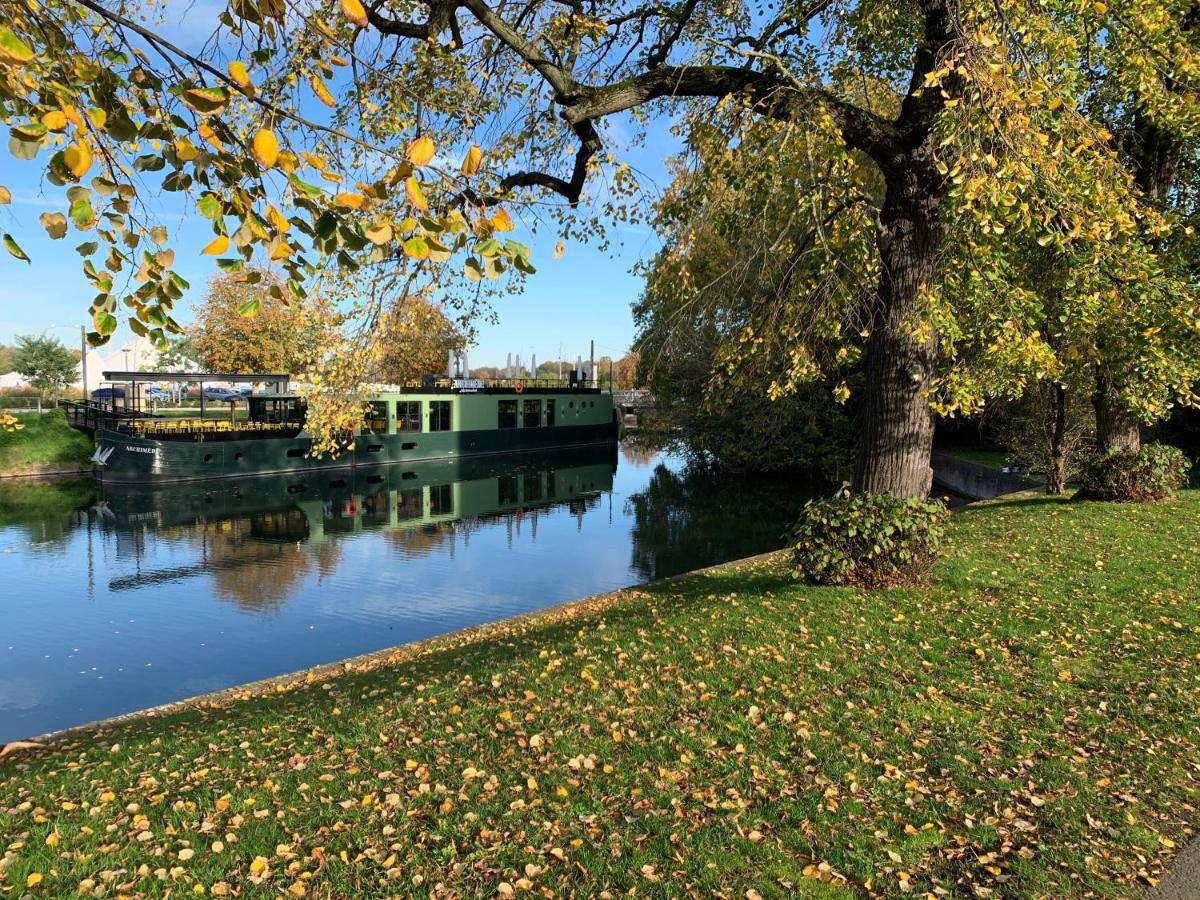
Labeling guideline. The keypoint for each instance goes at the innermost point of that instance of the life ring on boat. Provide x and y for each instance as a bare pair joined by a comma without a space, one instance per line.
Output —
519,387
351,507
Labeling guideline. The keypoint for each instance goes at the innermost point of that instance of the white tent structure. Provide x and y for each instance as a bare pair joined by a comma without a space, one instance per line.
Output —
134,355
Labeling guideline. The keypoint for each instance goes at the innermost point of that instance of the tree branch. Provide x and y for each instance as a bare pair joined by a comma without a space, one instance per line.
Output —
769,94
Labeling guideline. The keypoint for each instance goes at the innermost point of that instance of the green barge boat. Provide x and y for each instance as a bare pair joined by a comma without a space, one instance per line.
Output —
440,418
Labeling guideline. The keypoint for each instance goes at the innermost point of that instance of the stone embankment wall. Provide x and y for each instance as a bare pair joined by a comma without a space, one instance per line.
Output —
974,480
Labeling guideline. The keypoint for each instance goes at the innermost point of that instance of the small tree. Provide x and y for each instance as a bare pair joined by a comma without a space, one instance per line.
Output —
1048,427
46,363
415,338
180,356
243,327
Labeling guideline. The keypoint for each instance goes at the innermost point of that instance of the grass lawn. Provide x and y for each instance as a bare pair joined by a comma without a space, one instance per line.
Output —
1027,726
45,440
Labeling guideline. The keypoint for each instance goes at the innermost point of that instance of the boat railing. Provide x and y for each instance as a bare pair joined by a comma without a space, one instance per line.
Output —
207,426
92,415
442,384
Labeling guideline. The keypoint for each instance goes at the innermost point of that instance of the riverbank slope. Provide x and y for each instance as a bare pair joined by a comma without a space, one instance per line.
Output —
47,445
1028,724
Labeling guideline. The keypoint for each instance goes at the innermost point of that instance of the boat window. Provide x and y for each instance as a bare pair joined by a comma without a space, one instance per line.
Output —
279,410
441,497
506,414
377,417
531,414
410,504
439,415
532,487
549,413
507,485
408,415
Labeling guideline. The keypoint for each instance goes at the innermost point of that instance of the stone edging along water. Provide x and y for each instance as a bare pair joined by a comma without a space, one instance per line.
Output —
49,471
367,662
976,480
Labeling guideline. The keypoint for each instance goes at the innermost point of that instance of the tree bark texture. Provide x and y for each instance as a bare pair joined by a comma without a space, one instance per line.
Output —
896,428
1116,427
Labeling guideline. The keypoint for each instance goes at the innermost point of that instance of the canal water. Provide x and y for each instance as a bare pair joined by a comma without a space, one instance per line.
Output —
113,600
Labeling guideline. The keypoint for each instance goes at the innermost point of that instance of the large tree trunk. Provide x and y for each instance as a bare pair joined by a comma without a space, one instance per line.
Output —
896,427
1116,427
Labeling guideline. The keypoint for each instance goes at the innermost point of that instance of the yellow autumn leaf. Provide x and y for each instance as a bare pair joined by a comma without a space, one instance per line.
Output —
277,219
237,71
265,148
321,91
78,159
258,866
501,221
378,233
186,150
287,162
216,247
472,161
279,251
55,120
210,137
349,201
354,11
421,151
558,250
412,189
33,878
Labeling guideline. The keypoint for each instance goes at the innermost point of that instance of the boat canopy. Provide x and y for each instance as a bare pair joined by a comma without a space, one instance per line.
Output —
279,380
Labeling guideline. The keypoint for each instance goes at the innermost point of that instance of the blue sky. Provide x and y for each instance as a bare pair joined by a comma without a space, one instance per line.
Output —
584,295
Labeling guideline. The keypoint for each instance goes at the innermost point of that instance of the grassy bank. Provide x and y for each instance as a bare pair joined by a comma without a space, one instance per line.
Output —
46,440
1028,725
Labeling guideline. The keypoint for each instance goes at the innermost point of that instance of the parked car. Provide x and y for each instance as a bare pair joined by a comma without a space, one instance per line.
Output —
157,394
108,393
221,394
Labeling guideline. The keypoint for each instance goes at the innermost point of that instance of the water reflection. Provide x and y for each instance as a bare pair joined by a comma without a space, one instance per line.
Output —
123,598
258,538
699,513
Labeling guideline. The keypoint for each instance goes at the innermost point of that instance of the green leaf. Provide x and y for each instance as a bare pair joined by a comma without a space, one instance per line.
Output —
30,131
13,51
82,213
206,100
105,322
14,248
250,307
209,206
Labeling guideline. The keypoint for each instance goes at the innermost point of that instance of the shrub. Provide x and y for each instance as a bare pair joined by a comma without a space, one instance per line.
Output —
867,540
1155,472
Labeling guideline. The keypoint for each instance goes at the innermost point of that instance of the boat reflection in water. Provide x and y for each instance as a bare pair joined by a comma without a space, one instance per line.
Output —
258,537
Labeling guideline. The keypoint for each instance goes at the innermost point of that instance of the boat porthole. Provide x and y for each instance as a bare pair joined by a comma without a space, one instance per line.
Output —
208,457
237,456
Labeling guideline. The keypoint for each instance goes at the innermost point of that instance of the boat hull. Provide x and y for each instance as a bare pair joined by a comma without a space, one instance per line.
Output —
131,459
